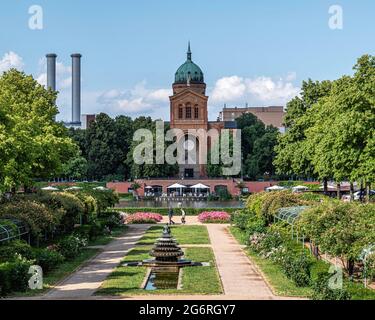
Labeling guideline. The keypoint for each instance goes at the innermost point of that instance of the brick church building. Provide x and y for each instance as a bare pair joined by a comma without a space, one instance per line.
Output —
188,110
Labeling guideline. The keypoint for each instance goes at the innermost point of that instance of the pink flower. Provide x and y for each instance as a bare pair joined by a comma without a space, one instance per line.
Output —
144,217
214,217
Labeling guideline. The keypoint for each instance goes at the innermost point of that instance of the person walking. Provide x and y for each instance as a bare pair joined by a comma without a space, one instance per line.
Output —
183,214
170,216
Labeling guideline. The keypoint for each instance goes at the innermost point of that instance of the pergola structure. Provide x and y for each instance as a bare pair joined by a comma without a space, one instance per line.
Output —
290,216
11,229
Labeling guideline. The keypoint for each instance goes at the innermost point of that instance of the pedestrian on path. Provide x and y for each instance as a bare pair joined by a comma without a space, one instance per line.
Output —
183,214
170,216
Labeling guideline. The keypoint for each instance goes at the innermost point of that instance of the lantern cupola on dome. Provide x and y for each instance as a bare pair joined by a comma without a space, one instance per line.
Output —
189,72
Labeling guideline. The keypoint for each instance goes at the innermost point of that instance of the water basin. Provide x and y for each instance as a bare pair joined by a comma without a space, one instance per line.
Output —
162,279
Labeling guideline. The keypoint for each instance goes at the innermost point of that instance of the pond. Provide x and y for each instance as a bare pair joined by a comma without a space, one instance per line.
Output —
186,204
162,279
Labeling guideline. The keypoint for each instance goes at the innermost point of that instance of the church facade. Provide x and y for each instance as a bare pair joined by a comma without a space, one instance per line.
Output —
189,110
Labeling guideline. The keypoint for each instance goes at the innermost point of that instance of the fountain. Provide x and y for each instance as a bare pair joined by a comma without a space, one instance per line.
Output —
166,252
165,266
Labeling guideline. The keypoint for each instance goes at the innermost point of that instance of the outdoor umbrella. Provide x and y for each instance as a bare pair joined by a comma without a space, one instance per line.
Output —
74,188
275,188
298,188
50,188
177,186
101,189
200,186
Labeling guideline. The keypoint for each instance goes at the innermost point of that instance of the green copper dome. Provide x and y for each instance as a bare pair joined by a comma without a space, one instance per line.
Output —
189,71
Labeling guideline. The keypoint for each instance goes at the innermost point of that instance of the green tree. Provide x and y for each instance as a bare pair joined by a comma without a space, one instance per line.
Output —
215,170
148,170
260,162
342,230
258,143
32,144
76,168
342,131
293,157
105,146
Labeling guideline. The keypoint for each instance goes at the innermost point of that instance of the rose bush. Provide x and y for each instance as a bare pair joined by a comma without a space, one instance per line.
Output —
214,217
143,218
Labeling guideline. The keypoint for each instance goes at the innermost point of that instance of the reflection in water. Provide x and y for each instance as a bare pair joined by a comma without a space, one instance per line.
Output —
162,279
185,204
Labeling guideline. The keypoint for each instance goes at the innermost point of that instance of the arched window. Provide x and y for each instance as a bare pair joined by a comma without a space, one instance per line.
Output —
180,112
196,112
188,111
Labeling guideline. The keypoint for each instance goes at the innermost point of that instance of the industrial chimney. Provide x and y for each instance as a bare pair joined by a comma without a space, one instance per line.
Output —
51,71
76,89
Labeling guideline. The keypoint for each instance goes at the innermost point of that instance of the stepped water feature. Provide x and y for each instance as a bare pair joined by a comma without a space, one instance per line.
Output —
166,252
164,268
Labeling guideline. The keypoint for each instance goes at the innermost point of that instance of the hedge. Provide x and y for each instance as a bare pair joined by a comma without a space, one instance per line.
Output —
177,211
14,276
37,216
267,204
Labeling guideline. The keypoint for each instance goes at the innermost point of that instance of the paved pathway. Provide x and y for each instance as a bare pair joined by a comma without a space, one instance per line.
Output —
83,283
238,274
190,220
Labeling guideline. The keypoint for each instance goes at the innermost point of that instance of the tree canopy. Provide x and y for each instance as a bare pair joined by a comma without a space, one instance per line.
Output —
32,144
108,147
331,128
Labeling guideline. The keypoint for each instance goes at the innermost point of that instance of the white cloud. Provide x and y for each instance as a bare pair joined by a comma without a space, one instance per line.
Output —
269,91
134,106
161,95
229,89
260,90
136,101
11,60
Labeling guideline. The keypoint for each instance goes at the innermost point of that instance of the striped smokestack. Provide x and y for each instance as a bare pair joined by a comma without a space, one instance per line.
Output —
76,88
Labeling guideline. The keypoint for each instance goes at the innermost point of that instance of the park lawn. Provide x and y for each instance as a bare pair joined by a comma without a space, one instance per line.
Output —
104,240
61,272
183,234
68,267
283,286
128,280
273,273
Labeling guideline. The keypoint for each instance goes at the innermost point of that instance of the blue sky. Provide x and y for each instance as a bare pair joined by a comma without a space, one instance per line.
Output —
250,51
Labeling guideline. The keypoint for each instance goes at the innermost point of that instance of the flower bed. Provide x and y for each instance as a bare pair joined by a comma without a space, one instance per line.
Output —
214,217
144,217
